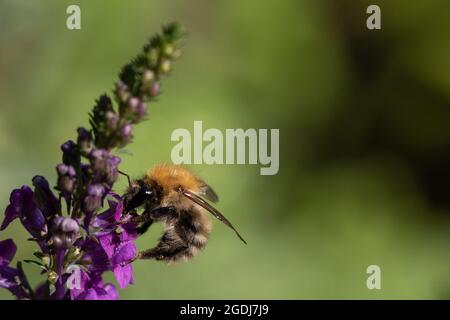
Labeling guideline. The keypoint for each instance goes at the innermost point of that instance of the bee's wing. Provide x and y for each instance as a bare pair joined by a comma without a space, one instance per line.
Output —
209,193
205,205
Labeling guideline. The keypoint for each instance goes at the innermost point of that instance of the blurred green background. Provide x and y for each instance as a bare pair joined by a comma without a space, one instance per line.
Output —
364,119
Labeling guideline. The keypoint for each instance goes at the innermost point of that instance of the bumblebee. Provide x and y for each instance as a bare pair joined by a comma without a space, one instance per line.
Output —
174,196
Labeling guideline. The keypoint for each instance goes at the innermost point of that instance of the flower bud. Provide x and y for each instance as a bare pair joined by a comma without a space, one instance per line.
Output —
132,103
98,158
112,164
152,57
66,178
69,225
165,66
44,197
94,198
169,49
70,153
154,89
104,164
125,134
112,121
122,91
141,111
64,231
134,110
148,76
84,140
52,277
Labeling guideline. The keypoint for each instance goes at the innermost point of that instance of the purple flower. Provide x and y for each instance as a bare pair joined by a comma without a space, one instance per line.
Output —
22,206
85,177
112,169
125,134
148,76
122,91
42,292
92,287
94,198
66,178
141,110
119,247
104,165
134,109
94,258
7,251
110,219
10,277
84,140
64,231
132,104
44,197
154,89
107,221
111,121
121,251
70,153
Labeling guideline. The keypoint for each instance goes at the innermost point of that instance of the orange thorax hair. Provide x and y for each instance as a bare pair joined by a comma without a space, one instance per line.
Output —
170,177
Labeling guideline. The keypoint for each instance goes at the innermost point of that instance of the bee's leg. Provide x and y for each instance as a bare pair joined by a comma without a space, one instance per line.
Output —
176,242
144,227
151,215
169,248
145,220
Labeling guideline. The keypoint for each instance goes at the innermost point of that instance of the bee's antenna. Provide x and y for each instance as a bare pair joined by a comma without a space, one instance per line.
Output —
126,175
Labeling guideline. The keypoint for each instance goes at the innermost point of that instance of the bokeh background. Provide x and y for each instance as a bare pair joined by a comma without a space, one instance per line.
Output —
364,119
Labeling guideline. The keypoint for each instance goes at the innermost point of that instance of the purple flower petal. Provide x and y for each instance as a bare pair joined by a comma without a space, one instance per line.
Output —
42,291
7,251
111,292
89,294
93,288
124,275
129,232
22,205
124,253
15,207
44,197
109,217
107,242
10,215
8,280
94,253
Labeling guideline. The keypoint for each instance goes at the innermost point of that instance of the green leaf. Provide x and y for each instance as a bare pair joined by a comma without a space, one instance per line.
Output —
35,263
38,255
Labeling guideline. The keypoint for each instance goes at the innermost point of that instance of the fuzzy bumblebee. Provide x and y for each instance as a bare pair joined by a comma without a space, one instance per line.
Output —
174,196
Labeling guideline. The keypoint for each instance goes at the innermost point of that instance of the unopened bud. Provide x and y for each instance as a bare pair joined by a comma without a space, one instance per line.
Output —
154,89
122,91
168,49
148,75
165,66
52,277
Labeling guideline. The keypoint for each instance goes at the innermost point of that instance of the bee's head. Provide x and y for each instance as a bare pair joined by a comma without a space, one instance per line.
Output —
142,192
